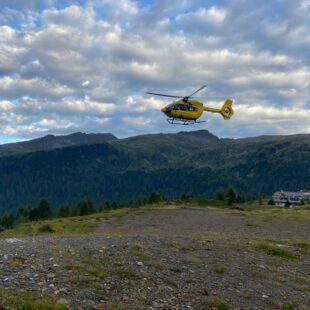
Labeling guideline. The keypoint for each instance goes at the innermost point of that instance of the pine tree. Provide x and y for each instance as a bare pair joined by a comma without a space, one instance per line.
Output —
7,221
154,197
64,211
220,195
107,206
34,215
114,205
185,197
44,210
84,207
22,214
230,196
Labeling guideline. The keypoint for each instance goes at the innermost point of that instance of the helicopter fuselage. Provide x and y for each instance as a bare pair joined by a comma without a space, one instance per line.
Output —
187,110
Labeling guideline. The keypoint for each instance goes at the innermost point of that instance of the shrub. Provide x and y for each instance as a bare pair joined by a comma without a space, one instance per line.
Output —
46,228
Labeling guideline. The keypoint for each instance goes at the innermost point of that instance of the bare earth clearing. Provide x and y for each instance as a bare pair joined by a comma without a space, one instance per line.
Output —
191,258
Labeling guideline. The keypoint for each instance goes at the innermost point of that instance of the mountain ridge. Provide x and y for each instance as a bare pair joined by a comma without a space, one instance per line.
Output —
49,142
196,163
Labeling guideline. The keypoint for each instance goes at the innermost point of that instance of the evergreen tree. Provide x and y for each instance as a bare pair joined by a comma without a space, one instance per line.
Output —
64,211
154,197
22,214
239,199
7,221
230,196
34,215
101,207
44,210
220,195
138,203
114,205
107,206
84,207
185,197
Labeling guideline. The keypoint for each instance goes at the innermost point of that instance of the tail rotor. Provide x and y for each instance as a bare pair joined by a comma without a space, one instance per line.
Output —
227,111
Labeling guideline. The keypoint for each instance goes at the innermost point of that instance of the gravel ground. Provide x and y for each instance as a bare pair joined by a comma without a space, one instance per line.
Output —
165,259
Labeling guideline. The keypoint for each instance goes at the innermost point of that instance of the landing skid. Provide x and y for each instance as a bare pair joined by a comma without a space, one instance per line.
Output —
181,121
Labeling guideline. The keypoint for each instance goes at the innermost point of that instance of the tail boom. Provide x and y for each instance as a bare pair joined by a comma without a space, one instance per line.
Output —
226,110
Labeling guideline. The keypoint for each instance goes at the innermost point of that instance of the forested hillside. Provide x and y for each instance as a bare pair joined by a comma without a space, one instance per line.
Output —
196,163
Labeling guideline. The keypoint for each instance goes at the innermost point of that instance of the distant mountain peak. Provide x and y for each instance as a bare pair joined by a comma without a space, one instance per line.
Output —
50,142
203,133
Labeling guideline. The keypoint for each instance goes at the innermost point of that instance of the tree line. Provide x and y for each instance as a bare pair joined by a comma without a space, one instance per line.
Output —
44,211
86,206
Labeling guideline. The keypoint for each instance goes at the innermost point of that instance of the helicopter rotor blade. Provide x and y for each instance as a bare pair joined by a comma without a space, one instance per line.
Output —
162,95
201,88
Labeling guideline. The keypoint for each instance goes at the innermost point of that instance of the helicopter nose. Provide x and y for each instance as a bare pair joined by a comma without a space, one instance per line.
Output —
164,110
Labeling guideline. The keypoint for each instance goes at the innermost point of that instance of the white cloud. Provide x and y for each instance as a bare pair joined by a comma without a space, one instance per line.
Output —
87,66
213,16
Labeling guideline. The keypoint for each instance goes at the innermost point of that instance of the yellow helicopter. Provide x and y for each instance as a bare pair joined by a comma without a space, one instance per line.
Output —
187,111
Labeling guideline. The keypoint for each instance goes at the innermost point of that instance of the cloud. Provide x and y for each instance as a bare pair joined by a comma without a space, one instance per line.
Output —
14,88
213,16
86,65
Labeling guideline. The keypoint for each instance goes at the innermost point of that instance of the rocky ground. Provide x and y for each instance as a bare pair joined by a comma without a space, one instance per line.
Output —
164,259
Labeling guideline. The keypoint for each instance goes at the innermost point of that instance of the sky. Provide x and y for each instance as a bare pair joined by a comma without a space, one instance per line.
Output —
68,66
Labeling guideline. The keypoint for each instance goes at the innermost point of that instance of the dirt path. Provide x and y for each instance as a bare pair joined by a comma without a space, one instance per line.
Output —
167,259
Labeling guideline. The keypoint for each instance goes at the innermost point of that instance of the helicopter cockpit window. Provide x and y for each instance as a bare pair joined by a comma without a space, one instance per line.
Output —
192,108
169,107
184,107
180,107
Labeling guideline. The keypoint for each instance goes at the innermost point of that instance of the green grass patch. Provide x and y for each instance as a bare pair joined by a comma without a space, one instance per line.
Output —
256,273
214,302
218,268
252,225
13,300
283,306
299,213
46,228
123,273
100,294
302,244
176,269
99,273
142,256
193,260
275,250
158,265
81,225
138,246
87,270
210,203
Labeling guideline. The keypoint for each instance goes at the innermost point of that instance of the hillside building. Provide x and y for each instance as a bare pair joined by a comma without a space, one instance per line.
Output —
282,198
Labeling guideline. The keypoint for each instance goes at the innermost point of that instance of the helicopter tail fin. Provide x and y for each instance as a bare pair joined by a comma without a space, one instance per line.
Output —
227,111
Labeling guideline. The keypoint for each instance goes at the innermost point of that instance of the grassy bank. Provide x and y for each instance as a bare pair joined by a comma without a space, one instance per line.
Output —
83,225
